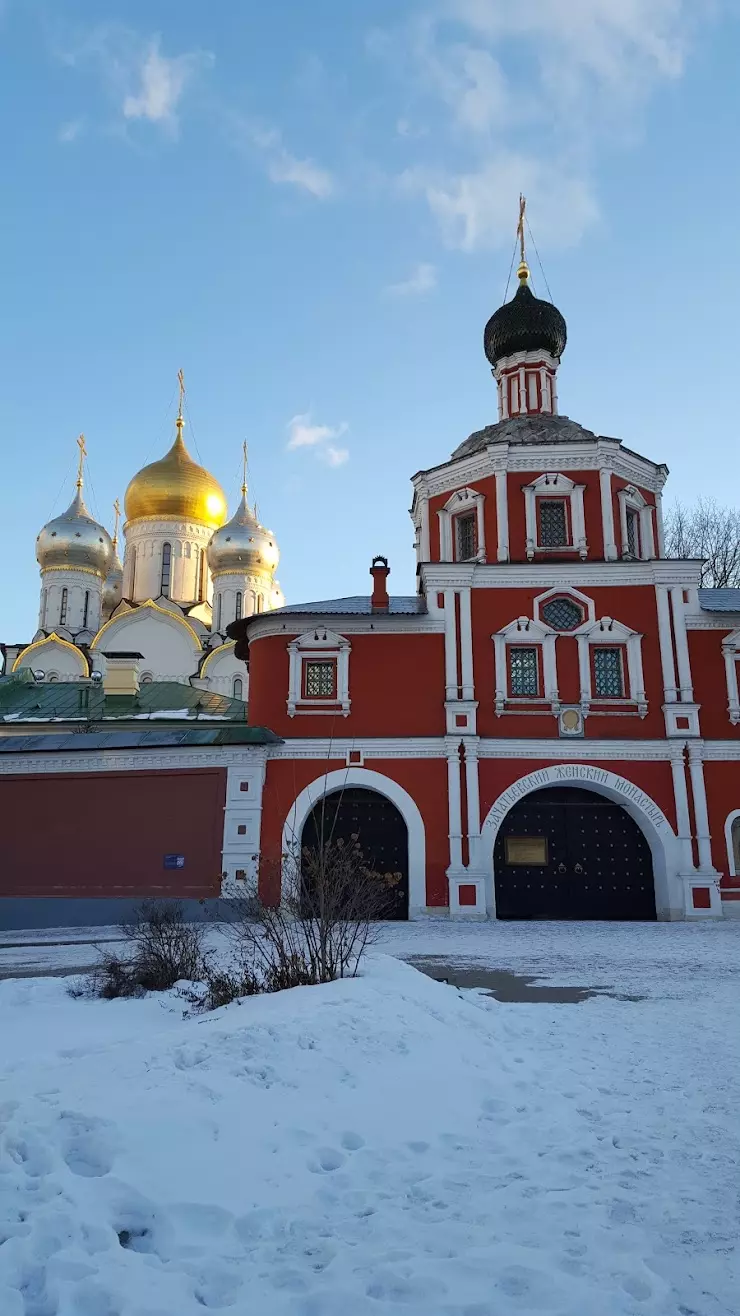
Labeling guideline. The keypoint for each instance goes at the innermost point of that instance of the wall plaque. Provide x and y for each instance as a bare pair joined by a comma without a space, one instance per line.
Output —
526,849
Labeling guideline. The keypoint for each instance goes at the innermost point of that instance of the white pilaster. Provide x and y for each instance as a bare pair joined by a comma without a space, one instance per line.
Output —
659,526
473,793
451,682
729,652
666,644
607,514
681,796
454,801
699,792
502,516
466,645
682,646
425,538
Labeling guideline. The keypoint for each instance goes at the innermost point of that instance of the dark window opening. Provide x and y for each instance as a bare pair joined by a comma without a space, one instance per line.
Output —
238,604
166,569
86,609
553,523
320,679
608,673
466,538
238,687
562,614
523,672
633,533
63,609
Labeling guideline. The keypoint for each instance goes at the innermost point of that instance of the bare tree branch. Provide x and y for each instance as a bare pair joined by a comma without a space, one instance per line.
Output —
710,532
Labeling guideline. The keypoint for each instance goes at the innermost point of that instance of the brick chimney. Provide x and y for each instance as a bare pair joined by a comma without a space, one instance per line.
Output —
380,572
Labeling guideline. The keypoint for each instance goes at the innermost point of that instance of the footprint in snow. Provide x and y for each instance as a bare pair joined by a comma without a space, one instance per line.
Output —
352,1141
325,1160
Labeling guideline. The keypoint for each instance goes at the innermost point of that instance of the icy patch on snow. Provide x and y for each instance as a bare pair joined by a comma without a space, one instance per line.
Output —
376,1147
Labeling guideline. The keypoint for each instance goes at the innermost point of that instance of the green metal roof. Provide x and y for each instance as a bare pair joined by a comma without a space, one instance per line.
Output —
24,700
184,737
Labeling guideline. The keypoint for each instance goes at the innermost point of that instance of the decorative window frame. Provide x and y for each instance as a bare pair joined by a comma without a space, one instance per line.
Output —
318,643
614,634
630,499
555,484
524,632
462,500
731,655
565,592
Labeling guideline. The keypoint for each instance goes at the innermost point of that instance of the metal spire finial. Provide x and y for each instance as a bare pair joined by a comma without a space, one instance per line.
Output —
244,467
117,512
180,419
81,462
523,271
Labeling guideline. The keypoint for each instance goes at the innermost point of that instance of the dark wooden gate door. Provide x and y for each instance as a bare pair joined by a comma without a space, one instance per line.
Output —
568,853
381,835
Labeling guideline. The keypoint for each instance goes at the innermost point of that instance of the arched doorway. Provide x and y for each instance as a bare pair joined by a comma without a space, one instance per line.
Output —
568,853
381,834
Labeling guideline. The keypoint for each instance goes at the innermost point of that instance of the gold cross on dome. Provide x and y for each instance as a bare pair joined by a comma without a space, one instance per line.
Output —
523,271
244,467
117,510
81,462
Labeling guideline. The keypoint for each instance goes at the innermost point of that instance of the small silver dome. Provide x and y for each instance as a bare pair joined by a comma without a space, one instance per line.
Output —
74,540
243,544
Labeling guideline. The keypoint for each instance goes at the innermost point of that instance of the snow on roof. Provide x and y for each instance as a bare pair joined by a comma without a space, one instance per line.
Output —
357,605
719,600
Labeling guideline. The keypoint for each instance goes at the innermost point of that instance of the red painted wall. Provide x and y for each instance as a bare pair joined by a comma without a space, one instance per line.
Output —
106,833
634,605
710,684
396,687
723,797
425,780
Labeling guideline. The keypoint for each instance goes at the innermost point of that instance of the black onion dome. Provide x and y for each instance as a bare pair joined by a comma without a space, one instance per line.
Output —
525,324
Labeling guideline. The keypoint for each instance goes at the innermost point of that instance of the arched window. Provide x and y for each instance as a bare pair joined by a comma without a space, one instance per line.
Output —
238,687
218,613
201,574
52,676
86,609
146,679
132,582
164,585
63,608
259,602
238,604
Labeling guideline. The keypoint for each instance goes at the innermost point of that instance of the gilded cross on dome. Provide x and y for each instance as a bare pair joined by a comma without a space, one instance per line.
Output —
81,461
523,271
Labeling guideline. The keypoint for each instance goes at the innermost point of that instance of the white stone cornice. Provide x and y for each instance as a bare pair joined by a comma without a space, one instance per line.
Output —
143,760
541,576
576,750
411,747
355,624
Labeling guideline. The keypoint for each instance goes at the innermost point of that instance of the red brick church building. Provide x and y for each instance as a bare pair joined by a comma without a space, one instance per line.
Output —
548,728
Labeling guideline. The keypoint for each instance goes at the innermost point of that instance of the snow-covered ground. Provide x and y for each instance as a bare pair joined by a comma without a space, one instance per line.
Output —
384,1146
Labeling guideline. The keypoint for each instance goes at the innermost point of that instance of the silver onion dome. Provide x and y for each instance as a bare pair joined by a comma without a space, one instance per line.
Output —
243,544
74,540
113,587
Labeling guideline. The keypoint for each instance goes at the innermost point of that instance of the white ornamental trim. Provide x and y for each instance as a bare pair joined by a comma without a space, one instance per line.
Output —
111,760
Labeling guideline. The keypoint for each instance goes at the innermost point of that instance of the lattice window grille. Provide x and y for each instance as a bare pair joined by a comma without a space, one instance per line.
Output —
553,525
523,673
320,680
466,536
562,614
608,673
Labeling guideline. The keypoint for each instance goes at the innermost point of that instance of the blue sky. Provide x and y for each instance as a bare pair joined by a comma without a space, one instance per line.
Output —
311,209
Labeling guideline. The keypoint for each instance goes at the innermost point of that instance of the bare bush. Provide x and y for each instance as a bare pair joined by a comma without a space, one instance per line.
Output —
163,950
710,532
331,902
220,985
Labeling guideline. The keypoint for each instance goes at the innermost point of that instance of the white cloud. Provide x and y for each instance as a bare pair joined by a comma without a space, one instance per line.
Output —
284,167
531,94
69,132
303,433
422,279
162,82
141,82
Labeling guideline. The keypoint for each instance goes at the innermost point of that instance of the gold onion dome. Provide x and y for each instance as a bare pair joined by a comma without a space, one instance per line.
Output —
74,540
176,488
243,544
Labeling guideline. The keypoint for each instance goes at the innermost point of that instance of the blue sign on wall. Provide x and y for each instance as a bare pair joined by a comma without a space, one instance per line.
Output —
174,861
